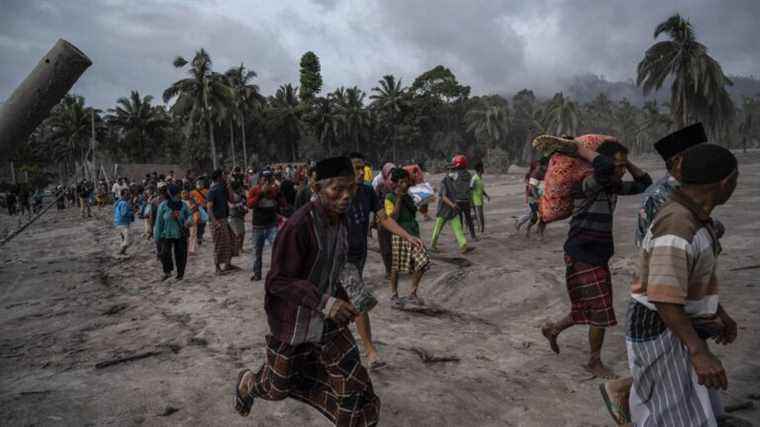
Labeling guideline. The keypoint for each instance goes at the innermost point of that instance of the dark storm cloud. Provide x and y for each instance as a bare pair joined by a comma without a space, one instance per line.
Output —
132,45
493,45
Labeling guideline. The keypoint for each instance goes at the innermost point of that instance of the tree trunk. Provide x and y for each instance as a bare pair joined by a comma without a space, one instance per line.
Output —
212,144
42,89
232,145
242,134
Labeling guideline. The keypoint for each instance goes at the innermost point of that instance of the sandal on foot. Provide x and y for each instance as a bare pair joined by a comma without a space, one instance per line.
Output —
377,364
618,411
415,300
243,404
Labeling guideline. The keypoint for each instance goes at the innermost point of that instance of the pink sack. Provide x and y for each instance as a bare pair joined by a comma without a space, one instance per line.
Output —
562,174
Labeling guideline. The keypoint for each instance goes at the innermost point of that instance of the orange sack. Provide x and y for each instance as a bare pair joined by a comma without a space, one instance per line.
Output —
415,173
562,174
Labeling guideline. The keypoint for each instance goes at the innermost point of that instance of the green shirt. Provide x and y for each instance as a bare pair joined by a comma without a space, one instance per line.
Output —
407,213
478,188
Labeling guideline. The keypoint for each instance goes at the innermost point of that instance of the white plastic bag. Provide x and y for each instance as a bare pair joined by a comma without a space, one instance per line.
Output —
422,194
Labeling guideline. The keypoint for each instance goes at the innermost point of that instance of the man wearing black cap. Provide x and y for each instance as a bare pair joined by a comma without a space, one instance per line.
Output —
670,149
675,306
311,353
616,392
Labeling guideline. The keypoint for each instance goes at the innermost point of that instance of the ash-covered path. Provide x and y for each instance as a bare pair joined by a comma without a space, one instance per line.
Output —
91,338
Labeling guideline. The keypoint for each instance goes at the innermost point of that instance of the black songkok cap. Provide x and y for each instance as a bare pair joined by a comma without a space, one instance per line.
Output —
707,164
680,140
334,167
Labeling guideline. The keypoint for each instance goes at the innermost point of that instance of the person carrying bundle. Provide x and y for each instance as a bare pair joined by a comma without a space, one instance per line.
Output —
590,245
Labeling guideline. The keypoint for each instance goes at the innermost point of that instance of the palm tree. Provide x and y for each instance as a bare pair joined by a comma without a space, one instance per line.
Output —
70,129
388,99
201,98
353,116
698,88
140,124
286,121
562,115
489,121
325,121
246,97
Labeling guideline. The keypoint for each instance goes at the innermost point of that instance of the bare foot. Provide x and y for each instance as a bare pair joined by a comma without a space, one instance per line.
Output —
600,371
551,334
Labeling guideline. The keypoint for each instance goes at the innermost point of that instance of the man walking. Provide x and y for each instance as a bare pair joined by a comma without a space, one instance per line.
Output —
311,353
589,245
265,201
449,208
218,211
363,205
675,305
123,216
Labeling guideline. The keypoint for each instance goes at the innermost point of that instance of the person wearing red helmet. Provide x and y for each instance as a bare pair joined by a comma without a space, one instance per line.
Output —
448,207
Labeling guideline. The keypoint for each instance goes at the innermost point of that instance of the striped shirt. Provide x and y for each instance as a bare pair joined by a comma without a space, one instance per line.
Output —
679,259
590,237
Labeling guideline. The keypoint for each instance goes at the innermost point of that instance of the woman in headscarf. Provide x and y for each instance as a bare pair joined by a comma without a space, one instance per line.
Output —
384,185
172,220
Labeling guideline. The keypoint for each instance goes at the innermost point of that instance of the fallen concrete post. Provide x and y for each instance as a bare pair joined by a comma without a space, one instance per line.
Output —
42,89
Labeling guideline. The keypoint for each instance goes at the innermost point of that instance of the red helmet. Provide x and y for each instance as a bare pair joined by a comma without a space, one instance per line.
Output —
459,161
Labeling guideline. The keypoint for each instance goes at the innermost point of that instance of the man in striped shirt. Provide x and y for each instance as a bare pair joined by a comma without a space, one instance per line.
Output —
675,307
590,245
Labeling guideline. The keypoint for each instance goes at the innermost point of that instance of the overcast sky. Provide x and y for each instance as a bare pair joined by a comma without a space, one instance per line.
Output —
492,45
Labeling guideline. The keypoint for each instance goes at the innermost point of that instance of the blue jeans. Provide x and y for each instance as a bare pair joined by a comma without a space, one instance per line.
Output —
259,239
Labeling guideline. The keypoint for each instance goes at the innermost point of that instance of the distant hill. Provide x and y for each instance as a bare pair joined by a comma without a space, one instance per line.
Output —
584,88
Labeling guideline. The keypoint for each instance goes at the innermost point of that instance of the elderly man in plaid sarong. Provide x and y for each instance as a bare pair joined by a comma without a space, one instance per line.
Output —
311,354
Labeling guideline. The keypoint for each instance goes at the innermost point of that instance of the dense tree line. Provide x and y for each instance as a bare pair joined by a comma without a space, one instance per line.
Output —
210,118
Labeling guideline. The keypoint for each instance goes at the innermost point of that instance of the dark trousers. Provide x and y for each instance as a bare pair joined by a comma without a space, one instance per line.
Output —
259,237
179,248
466,209
384,241
201,230
481,218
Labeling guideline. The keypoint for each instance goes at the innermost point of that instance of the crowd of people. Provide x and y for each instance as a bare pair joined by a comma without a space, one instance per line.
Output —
318,219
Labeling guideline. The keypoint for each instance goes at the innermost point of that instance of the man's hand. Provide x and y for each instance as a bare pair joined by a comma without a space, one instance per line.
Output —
342,312
488,197
175,214
709,370
416,242
729,332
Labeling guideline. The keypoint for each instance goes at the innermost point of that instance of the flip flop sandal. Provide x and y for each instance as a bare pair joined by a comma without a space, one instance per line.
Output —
377,364
242,404
415,301
618,412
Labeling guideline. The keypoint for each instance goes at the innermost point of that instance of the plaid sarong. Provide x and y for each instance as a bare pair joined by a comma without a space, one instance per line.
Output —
590,290
406,258
327,376
222,242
